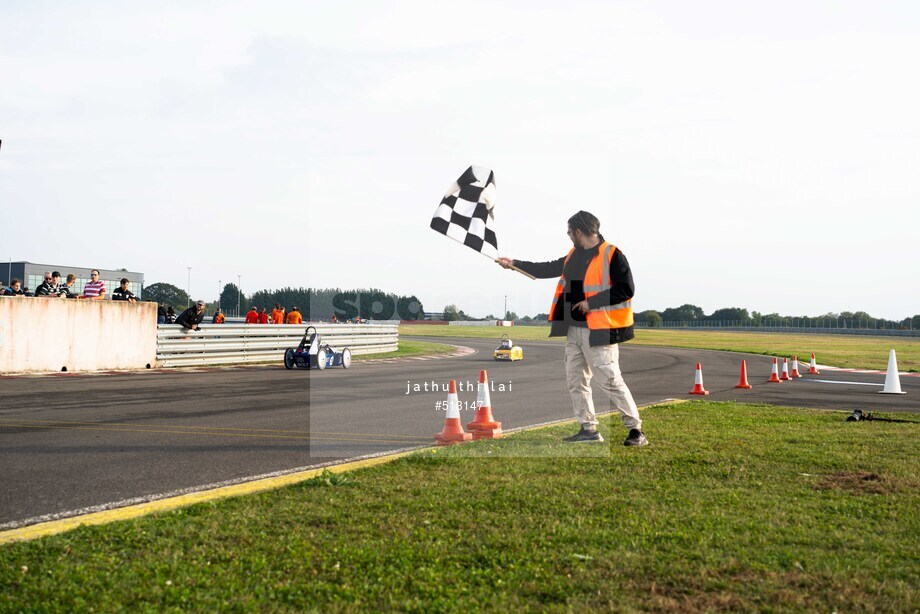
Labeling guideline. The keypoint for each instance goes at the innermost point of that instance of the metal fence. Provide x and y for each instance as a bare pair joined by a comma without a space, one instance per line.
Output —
243,343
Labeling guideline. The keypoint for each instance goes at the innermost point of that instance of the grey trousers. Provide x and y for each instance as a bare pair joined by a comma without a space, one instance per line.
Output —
581,362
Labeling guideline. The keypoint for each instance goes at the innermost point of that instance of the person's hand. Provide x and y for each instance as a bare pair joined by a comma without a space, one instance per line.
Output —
505,263
581,307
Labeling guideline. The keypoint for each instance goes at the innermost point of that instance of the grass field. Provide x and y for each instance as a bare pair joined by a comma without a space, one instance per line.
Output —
848,351
742,507
412,347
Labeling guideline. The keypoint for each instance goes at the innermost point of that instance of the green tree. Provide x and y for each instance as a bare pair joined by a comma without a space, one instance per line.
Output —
732,314
653,318
229,296
510,315
684,313
542,317
166,294
451,313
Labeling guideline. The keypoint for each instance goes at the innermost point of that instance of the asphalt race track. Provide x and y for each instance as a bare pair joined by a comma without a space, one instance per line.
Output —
68,443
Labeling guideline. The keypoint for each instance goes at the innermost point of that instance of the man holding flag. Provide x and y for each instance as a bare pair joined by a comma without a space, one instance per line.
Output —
592,308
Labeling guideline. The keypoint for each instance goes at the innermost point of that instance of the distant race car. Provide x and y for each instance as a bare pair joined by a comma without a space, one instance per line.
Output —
506,350
309,354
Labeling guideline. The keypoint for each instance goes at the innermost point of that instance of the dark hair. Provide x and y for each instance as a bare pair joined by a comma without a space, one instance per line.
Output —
585,222
71,277
124,280
14,281
55,274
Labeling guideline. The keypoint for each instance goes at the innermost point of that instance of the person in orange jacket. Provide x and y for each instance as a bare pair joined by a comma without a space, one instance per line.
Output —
263,316
278,314
253,316
294,317
218,317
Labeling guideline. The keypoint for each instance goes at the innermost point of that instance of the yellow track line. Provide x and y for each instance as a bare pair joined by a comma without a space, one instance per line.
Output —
164,505
55,527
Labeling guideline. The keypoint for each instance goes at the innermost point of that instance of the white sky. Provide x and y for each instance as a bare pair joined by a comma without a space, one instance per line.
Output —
759,155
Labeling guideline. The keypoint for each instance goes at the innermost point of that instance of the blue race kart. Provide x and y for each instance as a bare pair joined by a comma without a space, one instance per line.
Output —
311,354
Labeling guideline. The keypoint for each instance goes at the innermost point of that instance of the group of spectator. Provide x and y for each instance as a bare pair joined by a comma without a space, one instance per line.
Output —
194,315
258,315
52,287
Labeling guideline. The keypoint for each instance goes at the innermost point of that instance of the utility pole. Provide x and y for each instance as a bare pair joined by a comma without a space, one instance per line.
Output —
218,295
505,317
188,288
239,293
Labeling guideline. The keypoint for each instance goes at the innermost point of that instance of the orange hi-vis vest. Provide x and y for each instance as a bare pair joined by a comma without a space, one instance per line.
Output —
597,279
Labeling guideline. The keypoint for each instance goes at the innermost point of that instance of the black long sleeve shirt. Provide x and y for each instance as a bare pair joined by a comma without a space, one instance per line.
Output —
190,317
622,289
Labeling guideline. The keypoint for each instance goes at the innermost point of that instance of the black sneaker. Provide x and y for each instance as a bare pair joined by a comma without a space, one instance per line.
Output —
635,438
584,435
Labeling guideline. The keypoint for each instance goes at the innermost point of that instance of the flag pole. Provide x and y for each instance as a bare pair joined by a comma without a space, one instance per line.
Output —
521,271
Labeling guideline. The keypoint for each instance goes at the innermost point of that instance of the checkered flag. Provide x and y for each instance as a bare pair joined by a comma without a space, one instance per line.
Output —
465,211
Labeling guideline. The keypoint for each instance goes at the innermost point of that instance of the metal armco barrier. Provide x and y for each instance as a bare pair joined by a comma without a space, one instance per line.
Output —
241,343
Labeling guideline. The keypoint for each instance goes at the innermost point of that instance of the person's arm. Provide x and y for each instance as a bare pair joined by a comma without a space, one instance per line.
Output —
540,270
183,319
622,287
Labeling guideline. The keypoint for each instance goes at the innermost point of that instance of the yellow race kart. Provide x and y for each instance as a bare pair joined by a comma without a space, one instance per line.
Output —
506,350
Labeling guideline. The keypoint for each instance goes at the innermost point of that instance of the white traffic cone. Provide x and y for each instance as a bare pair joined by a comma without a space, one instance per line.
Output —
892,379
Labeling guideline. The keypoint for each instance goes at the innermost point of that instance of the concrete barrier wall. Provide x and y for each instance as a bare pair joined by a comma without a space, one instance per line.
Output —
48,334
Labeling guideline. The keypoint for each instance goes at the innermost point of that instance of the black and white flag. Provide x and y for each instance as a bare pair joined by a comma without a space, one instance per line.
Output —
465,212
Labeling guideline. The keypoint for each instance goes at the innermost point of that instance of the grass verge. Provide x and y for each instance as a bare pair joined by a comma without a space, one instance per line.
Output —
846,351
410,348
743,507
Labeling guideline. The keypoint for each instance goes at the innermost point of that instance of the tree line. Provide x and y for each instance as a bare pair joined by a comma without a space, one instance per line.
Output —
692,315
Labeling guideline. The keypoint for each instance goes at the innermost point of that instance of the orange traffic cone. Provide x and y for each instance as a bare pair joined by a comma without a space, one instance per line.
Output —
774,376
795,367
453,430
743,383
484,425
698,382
813,368
785,374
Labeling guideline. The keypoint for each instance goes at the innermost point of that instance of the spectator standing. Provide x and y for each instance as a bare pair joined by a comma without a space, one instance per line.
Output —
161,313
263,316
170,315
123,294
278,314
218,317
94,290
252,317
67,288
192,317
335,319
294,317
15,288
48,287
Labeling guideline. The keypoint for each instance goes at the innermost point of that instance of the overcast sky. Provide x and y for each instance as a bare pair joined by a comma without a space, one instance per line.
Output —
759,155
